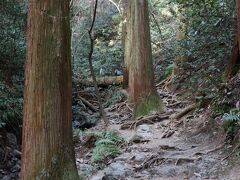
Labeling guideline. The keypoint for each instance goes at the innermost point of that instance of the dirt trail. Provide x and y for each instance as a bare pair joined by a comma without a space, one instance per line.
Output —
188,148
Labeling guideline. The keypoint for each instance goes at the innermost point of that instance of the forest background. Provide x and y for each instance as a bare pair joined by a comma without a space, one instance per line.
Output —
200,32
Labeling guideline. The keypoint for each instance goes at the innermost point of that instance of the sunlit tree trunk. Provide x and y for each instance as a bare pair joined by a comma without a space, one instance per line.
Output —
47,146
142,90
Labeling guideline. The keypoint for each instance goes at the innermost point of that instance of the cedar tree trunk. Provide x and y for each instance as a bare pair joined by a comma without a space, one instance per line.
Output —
238,21
124,36
47,129
234,63
142,90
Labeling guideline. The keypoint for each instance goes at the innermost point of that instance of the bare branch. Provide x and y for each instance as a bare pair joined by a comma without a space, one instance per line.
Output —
91,65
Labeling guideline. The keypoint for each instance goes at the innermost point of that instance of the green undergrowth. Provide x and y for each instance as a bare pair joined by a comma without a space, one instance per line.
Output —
231,125
106,144
231,120
116,96
11,106
168,70
147,105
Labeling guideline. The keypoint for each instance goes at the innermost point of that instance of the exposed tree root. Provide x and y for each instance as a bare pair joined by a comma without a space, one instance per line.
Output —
168,133
209,151
130,125
184,111
173,104
165,83
215,149
131,109
236,147
144,120
151,160
116,107
156,159
185,160
169,148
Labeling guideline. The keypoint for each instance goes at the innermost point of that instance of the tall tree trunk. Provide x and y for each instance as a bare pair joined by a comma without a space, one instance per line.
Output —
47,129
234,60
139,57
234,63
124,36
238,22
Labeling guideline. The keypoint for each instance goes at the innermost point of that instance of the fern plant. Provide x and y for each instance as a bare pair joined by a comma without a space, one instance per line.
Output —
233,115
231,120
107,146
168,70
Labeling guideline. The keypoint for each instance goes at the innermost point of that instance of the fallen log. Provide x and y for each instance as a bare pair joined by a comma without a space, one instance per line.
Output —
88,104
104,81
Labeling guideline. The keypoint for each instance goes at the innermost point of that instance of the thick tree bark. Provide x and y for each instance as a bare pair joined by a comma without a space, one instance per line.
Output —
47,144
238,22
234,60
142,90
234,63
124,36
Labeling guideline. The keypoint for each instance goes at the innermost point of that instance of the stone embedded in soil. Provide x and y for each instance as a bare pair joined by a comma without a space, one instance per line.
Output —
139,157
143,134
138,139
124,157
118,170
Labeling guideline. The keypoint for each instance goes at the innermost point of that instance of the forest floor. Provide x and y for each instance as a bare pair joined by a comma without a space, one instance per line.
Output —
162,146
